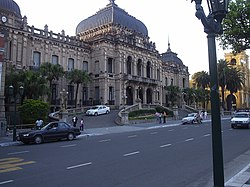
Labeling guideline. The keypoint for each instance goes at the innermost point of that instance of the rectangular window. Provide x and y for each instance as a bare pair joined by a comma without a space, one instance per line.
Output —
166,81
110,65
111,93
36,59
70,92
54,59
97,94
85,66
97,67
70,64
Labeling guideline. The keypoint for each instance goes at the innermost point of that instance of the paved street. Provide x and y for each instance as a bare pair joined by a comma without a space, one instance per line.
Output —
173,155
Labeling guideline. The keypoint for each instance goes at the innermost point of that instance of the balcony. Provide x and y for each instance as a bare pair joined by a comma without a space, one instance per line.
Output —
137,79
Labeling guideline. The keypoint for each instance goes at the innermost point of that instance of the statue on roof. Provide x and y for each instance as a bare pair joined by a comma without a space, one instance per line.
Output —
112,1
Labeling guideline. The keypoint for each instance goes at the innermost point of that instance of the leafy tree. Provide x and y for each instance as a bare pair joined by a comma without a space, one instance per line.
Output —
31,110
223,69
173,93
236,27
78,77
201,79
189,95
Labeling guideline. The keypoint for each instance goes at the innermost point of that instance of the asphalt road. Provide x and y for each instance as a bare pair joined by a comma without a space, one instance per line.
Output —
178,156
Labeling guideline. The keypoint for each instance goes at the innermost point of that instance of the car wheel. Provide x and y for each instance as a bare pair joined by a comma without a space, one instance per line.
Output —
192,121
70,136
107,112
232,126
96,114
38,139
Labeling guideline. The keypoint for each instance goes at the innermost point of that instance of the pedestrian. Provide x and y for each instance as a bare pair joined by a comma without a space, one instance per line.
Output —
157,114
39,123
74,120
205,115
82,125
164,117
160,117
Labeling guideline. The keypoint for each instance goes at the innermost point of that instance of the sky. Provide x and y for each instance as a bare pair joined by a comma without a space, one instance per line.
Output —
166,20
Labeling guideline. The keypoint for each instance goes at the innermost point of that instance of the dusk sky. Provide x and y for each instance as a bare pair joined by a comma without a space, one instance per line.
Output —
165,19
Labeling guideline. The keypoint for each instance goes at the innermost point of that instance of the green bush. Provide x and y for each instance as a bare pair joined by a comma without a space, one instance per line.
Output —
161,110
31,110
143,112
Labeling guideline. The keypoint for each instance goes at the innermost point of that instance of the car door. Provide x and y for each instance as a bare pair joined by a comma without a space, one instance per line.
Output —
63,130
51,132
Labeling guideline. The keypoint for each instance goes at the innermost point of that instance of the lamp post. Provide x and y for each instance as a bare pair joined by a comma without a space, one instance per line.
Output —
14,94
212,26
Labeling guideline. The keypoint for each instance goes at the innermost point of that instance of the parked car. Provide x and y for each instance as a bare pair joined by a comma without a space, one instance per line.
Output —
241,119
52,131
190,119
98,109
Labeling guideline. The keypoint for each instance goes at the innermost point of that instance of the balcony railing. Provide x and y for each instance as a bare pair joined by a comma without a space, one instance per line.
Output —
135,78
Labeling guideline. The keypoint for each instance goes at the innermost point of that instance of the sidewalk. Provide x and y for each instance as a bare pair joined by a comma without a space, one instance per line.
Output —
242,179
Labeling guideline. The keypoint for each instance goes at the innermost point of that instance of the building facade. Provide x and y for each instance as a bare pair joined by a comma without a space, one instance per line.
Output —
241,99
111,45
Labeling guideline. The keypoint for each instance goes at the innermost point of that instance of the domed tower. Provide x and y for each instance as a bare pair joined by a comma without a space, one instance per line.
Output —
10,13
110,19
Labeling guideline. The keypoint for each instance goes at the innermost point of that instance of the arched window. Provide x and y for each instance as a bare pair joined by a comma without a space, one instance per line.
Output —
148,69
36,59
139,67
70,64
129,65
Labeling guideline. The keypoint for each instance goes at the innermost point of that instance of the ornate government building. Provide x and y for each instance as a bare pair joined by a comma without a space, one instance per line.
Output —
111,45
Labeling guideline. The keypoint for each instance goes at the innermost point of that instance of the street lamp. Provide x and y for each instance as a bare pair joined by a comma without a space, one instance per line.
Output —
14,94
212,26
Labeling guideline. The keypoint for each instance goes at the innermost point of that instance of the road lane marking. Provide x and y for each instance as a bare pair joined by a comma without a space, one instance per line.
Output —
5,182
171,130
20,152
72,145
12,164
207,135
80,165
154,133
106,140
165,145
132,136
132,153
190,139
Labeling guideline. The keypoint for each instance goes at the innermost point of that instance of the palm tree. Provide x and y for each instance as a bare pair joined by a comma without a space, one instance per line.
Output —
78,77
201,79
173,93
222,74
234,82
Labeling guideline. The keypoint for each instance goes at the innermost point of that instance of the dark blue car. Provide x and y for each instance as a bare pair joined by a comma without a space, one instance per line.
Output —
52,131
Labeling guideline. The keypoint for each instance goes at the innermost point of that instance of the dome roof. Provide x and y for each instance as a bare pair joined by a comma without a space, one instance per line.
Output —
112,14
170,56
11,6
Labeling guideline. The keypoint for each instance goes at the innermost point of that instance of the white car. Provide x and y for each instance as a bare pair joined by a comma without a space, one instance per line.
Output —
97,110
241,119
190,119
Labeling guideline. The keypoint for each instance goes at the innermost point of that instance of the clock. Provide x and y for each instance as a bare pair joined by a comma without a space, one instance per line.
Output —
4,19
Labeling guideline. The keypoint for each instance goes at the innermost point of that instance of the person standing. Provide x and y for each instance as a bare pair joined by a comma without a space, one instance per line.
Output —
74,120
82,125
164,117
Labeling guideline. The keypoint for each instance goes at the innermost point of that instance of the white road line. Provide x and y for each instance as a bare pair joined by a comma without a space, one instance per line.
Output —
190,139
166,145
171,130
107,140
20,152
207,135
5,182
154,133
132,136
80,165
132,153
72,145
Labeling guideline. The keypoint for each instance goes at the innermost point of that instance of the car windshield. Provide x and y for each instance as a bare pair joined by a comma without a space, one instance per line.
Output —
45,127
241,115
190,115
95,107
